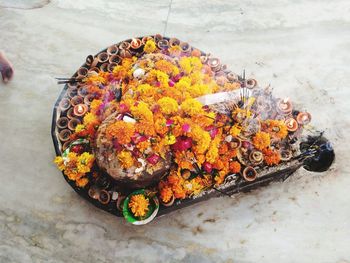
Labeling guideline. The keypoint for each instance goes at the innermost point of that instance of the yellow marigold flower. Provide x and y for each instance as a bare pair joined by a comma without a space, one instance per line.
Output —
59,162
170,139
142,112
150,46
168,105
79,128
235,130
261,140
175,50
139,205
120,130
183,84
192,107
145,89
85,162
125,159
90,119
201,137
213,151
82,182
94,106
167,67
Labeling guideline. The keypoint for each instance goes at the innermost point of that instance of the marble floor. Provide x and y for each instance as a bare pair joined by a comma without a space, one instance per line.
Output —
301,48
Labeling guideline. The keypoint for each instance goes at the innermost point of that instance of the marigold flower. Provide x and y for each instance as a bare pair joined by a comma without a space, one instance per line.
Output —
139,205
91,119
271,157
150,46
261,140
235,167
168,105
166,194
170,139
120,130
59,162
276,128
79,127
192,107
125,159
81,182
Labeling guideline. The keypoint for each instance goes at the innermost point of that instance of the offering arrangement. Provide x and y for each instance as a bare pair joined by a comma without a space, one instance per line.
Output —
152,124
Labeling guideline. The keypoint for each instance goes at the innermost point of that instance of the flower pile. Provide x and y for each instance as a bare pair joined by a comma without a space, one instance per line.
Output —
159,114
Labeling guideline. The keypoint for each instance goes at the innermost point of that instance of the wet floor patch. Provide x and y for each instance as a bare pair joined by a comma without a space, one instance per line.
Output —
23,4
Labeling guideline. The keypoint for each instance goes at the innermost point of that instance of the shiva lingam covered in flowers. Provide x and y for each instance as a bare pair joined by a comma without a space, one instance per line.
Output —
153,119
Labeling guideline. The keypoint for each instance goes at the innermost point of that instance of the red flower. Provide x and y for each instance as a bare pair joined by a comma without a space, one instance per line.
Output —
153,159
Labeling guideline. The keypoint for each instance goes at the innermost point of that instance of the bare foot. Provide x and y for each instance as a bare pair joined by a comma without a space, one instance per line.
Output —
5,68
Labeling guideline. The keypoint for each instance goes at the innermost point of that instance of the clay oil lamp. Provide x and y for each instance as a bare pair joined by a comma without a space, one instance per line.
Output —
204,59
112,50
185,173
76,100
284,106
235,143
89,60
111,66
125,53
124,46
115,59
64,104
82,92
145,39
196,53
94,70
292,124
120,202
102,57
232,76
70,113
286,155
62,122
136,44
73,123
256,157
249,174
163,44
66,145
104,197
251,83
169,203
214,63
304,118
104,67
71,92
174,42
80,109
88,99
64,135
82,73
158,37
185,48
94,192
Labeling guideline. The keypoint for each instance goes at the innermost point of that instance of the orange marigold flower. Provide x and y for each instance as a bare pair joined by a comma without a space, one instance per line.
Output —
139,205
120,130
271,157
179,191
235,167
261,140
166,194
275,128
82,182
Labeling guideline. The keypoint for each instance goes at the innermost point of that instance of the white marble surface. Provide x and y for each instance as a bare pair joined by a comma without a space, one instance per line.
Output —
301,47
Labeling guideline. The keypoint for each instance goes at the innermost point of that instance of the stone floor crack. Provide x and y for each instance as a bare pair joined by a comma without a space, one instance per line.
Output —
167,18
